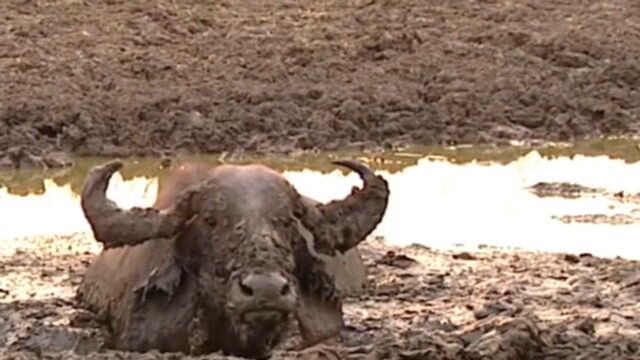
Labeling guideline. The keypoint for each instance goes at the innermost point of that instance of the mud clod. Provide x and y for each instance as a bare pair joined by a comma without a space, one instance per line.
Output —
572,259
391,258
463,256
518,338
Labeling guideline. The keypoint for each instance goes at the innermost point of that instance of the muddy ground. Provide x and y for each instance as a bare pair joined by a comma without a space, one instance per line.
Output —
119,77
420,304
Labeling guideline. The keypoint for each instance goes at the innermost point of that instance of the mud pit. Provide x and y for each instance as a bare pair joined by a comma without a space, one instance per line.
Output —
421,304
134,77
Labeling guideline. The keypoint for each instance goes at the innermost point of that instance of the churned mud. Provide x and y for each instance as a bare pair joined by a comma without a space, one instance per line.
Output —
420,304
121,77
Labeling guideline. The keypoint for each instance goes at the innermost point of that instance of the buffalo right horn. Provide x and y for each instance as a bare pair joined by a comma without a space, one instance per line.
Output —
115,227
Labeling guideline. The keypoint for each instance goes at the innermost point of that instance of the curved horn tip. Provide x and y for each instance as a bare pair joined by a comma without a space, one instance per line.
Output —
107,169
355,166
111,166
98,174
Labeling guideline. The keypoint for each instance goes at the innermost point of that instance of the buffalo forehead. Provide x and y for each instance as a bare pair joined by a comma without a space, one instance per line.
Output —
251,186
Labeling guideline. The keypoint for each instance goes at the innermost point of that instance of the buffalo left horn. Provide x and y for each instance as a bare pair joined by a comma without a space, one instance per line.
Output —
343,224
115,227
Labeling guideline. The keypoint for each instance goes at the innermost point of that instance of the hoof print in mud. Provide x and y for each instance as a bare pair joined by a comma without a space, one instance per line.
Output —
224,261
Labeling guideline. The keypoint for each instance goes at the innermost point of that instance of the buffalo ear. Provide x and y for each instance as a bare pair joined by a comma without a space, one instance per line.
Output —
319,312
319,316
188,244
318,319
198,229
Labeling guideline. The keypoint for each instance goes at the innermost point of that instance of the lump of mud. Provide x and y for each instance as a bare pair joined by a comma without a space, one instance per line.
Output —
21,157
508,339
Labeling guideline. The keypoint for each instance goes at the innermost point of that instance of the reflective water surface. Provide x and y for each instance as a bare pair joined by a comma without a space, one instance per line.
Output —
440,198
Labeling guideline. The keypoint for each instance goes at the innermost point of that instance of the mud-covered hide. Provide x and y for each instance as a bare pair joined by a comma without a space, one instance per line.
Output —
129,286
173,277
122,278
347,269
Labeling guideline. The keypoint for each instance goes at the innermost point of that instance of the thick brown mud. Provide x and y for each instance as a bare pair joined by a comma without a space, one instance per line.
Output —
419,304
141,78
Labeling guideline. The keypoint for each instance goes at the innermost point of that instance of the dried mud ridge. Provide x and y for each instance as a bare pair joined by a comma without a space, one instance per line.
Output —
137,78
420,304
626,216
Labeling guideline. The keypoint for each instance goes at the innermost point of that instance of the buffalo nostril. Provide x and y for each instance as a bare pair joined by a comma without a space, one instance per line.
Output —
286,289
246,290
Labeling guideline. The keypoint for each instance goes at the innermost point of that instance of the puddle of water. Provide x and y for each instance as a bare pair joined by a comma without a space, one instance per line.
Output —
436,202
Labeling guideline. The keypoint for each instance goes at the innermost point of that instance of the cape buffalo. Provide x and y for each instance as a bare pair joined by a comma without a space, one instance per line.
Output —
223,261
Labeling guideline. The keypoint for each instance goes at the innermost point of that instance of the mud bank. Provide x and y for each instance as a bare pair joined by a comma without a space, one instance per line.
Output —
123,78
420,304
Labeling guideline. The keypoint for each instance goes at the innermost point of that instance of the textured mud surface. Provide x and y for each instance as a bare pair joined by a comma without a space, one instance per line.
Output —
631,215
136,77
420,304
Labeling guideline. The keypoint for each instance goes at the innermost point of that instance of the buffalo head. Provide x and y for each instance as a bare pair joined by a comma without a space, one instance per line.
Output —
249,243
